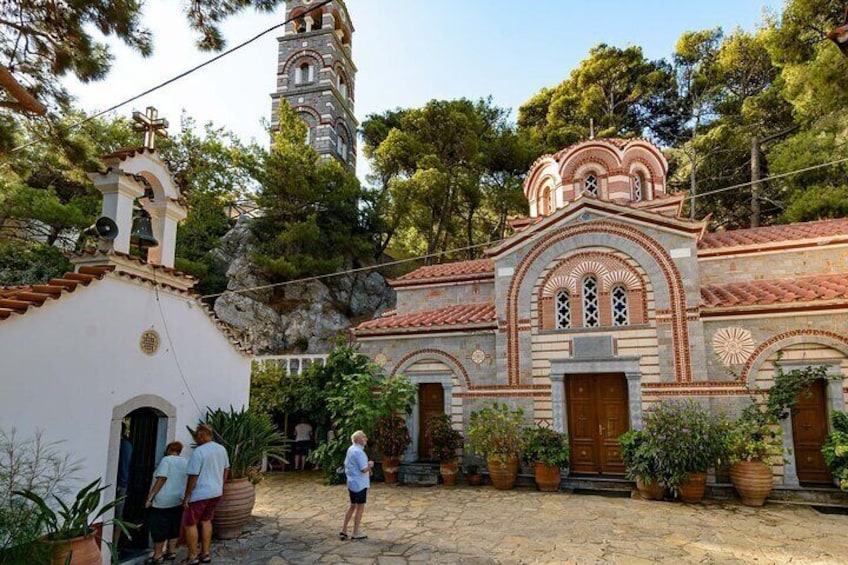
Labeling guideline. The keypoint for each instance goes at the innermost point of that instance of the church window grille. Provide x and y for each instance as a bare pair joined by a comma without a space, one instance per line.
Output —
591,318
563,310
637,188
619,306
590,185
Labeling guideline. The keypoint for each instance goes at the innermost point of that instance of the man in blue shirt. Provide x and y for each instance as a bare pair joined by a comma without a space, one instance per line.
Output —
358,472
207,470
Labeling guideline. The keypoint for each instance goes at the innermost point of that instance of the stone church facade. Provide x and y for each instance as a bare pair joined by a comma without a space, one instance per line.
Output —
606,300
316,76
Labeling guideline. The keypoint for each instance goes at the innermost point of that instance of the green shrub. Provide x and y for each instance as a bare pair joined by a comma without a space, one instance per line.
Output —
495,432
446,440
835,449
639,456
545,445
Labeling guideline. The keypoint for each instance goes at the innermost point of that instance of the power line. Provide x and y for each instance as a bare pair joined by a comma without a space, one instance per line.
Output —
492,243
172,79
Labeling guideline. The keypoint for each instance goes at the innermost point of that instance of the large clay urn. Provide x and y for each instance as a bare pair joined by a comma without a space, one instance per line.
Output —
391,467
235,508
752,480
692,491
82,550
547,477
503,473
449,470
653,490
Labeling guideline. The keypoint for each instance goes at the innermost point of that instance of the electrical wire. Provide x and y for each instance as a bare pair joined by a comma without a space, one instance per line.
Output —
172,79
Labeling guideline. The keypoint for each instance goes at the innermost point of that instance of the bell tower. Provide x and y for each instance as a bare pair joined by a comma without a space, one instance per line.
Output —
315,75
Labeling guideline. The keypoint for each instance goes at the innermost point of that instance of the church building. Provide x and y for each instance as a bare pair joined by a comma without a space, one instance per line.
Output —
606,300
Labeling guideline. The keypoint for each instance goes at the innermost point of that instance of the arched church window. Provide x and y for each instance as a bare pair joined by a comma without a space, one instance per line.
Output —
545,203
563,310
343,87
308,135
637,187
305,73
317,21
590,303
619,306
341,144
590,185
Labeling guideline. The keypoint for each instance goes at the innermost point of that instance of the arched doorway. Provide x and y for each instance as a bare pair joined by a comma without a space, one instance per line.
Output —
809,432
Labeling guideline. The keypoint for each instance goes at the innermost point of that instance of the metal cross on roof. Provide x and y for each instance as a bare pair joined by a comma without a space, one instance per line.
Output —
151,125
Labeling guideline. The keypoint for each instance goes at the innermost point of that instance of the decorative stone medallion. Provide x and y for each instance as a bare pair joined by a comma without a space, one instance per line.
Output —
478,356
381,359
733,345
149,342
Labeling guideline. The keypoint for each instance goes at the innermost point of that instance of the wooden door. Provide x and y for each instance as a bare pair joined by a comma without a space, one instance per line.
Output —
431,402
809,431
597,414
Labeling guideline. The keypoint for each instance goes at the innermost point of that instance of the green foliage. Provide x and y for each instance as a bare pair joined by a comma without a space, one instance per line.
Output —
248,436
545,445
755,436
495,432
23,263
835,449
391,435
446,440
268,387
685,438
783,394
639,456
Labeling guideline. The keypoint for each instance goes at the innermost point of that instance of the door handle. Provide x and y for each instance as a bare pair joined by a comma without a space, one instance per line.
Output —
601,431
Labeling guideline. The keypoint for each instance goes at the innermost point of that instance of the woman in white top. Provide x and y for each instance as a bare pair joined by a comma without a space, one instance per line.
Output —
302,443
165,503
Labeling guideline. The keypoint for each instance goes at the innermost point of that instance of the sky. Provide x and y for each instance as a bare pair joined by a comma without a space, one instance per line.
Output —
408,52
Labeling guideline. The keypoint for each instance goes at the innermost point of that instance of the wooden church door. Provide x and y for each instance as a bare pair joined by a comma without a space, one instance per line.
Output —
431,402
809,431
598,413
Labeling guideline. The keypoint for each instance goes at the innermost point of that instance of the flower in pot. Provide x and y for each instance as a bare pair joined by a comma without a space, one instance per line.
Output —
835,450
640,462
392,437
548,450
248,436
754,443
687,441
495,433
472,475
73,531
446,441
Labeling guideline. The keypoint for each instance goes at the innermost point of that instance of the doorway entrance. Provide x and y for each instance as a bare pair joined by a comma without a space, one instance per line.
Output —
809,432
147,434
598,412
431,402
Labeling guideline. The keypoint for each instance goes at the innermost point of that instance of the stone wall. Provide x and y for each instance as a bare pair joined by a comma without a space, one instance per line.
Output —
773,265
418,299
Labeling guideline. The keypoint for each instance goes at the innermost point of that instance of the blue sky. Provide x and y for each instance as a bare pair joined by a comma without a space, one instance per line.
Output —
408,52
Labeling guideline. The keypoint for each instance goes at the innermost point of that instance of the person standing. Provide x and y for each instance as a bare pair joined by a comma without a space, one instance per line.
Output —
207,470
125,453
302,443
358,470
164,503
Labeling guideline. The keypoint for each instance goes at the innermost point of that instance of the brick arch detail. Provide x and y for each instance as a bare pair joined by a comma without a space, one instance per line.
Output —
606,158
301,54
658,254
303,109
643,157
458,368
785,339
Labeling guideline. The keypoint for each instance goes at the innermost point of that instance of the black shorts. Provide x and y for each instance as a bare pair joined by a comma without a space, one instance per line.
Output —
358,497
164,523
302,447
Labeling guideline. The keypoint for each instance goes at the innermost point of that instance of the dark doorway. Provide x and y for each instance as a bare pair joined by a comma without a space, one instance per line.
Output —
431,402
598,413
147,449
809,431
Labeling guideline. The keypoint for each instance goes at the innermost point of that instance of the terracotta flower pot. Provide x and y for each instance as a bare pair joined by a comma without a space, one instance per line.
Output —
547,477
235,508
503,472
448,470
82,551
650,491
692,491
752,480
391,467
474,479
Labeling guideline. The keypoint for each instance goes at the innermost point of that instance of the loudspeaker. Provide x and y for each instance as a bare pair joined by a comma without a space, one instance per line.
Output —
104,228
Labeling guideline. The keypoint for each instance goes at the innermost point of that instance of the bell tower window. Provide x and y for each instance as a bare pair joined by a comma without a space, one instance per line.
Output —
590,185
304,73
341,144
343,87
563,310
591,318
300,25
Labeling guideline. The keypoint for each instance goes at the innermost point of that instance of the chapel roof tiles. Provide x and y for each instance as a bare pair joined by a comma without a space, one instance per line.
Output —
457,315
456,271
776,292
775,234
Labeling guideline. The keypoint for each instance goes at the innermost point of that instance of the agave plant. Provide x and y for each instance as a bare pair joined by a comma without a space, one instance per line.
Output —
248,437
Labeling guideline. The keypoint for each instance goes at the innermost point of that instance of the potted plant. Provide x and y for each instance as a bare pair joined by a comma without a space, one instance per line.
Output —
640,464
687,440
547,449
392,437
446,441
473,476
248,436
73,532
754,443
835,450
495,433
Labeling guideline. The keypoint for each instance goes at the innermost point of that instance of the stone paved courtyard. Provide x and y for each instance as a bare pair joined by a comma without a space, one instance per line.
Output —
297,519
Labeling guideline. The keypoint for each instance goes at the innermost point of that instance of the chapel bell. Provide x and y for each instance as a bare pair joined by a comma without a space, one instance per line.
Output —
142,230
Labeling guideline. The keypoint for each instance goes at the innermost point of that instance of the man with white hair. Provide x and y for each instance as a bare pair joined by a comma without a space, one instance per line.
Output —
358,472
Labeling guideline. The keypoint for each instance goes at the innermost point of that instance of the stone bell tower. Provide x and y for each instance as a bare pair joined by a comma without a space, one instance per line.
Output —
316,74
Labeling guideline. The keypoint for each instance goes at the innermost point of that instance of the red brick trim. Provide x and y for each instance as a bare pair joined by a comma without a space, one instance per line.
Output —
301,53
767,346
459,369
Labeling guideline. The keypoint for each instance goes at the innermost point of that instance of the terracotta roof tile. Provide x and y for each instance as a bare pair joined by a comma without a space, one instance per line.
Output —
775,234
456,271
776,292
460,314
